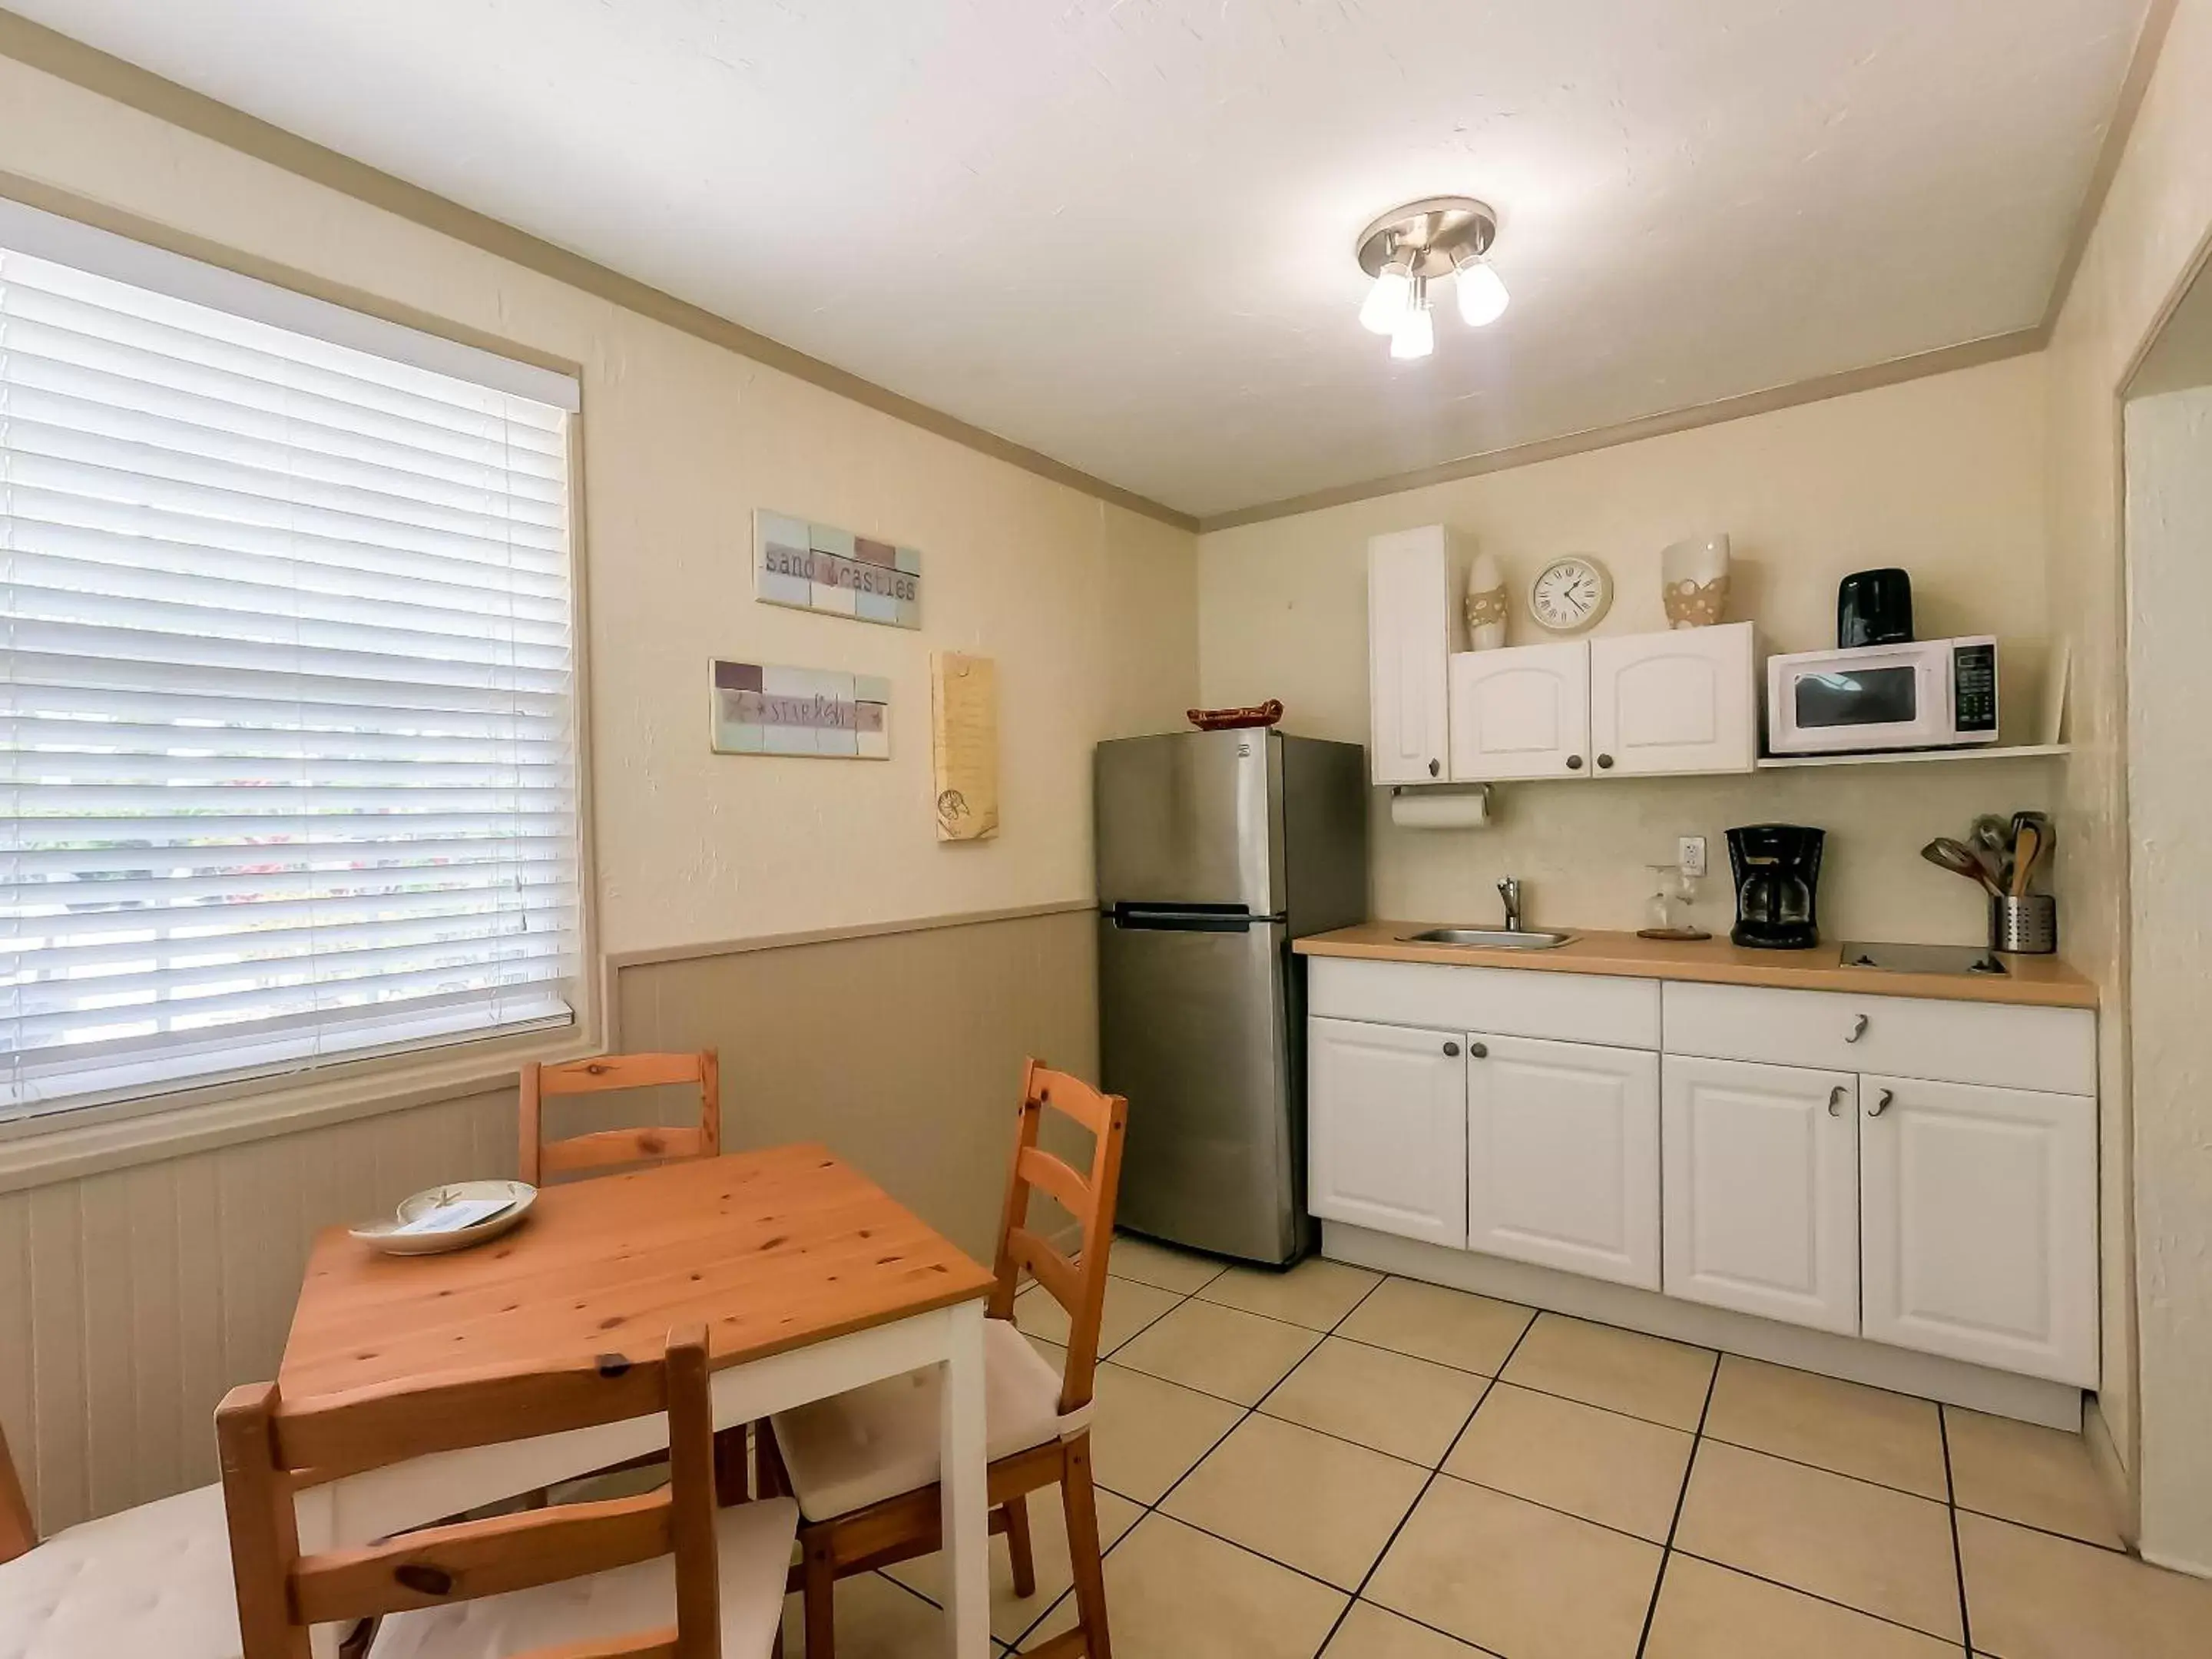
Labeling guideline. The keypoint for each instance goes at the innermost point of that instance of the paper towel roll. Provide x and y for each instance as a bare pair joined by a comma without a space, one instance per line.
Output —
1441,809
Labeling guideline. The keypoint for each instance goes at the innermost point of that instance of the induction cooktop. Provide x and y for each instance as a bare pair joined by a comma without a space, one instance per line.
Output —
1924,958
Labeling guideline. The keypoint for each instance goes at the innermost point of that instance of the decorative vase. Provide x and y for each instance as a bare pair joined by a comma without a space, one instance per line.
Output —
1486,604
1693,581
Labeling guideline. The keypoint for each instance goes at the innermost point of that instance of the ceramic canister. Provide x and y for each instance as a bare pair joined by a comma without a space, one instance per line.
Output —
1693,581
1486,604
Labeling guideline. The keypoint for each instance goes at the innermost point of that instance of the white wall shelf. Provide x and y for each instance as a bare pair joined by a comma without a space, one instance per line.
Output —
2017,751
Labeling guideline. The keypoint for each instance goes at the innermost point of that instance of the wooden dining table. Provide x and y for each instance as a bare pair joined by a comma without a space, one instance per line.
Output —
810,1278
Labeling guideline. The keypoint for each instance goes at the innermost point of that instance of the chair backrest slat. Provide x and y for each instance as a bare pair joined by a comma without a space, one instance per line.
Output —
17,1532
604,1148
607,1148
393,1422
269,1448
1041,1169
658,1644
1061,1278
1080,1286
428,1569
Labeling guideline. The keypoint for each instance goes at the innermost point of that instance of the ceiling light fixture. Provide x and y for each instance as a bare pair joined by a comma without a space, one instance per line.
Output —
1392,296
1415,336
1410,246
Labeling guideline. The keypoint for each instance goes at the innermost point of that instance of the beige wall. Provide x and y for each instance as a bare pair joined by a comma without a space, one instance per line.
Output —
130,1299
1941,475
925,1100
2152,228
683,440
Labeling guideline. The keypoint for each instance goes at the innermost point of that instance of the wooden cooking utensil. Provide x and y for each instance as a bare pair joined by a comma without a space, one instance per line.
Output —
1945,853
1991,841
2026,846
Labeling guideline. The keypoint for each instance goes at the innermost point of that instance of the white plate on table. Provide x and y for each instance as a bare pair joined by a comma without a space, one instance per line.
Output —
450,1217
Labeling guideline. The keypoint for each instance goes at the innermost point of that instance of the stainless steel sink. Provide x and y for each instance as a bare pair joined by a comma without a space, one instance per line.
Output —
1494,939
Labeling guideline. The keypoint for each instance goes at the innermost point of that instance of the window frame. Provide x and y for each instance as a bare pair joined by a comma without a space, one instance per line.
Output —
73,1141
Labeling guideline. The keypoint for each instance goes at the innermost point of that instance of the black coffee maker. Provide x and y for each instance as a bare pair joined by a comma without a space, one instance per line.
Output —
1778,872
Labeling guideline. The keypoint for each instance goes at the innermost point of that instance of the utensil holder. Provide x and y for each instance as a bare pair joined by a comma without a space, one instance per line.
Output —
2025,927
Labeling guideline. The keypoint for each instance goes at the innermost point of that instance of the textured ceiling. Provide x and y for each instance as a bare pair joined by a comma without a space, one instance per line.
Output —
1120,231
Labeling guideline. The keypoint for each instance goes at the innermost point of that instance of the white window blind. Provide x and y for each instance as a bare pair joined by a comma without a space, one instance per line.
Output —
287,752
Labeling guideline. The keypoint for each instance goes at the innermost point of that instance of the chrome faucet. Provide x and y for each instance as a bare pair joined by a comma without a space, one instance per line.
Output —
1509,889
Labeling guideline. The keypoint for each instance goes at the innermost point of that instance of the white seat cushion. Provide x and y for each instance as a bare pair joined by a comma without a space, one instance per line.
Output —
858,1449
152,1580
754,1540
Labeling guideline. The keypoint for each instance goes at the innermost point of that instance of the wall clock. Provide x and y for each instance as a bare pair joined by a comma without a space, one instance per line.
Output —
1570,594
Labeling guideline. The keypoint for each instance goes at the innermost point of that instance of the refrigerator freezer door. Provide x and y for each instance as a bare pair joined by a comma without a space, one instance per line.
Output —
1194,1029
1191,818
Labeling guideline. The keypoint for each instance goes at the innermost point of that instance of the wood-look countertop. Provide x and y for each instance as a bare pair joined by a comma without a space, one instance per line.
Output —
2043,981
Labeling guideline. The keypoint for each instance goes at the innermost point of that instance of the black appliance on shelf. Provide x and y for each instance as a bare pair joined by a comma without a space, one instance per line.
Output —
1778,875
1874,607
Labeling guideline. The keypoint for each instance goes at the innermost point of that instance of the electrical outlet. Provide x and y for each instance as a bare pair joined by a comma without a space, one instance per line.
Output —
1690,854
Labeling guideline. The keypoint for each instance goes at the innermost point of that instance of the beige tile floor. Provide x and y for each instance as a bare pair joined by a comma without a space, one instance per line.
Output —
1329,1463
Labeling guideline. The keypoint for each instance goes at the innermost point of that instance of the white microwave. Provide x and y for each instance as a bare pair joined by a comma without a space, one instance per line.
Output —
1928,694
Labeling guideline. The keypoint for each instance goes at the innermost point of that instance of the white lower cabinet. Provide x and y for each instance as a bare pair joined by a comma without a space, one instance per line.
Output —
1563,1156
1386,1123
1762,1190
1978,1223
1751,1149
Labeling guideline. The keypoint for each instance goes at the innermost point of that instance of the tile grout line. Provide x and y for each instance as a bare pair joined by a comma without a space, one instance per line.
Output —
1489,1383
1335,1332
1144,1510
1421,1497
1951,1512
1810,1595
1819,1468
1681,1501
1245,1414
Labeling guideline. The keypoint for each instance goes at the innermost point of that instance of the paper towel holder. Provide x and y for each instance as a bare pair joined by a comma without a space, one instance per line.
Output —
1451,806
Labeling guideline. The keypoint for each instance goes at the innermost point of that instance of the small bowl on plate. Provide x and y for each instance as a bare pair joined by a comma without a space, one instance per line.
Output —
406,1233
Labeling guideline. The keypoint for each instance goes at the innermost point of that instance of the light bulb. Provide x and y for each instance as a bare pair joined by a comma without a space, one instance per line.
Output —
1482,296
1416,333
1391,297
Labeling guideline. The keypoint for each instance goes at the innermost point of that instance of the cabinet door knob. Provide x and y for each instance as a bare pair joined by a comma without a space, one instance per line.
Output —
1451,1051
1434,766
1479,1050
1604,762
1858,1029
1574,762
1836,1100
1883,1102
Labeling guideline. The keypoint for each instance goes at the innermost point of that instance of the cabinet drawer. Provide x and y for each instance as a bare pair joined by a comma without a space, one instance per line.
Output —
1563,1007
2047,1048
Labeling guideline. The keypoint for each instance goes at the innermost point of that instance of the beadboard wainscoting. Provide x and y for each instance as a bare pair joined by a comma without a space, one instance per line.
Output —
131,1299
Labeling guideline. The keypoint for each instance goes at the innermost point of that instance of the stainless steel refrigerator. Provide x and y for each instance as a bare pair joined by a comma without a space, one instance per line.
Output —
1216,849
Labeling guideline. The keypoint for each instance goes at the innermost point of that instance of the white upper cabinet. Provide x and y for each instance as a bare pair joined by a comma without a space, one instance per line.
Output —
1761,1190
1979,1217
1563,1156
1522,712
1386,1128
1409,637
1680,702
1622,705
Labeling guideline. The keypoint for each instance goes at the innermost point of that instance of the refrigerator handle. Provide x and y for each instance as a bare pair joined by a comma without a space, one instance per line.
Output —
1186,918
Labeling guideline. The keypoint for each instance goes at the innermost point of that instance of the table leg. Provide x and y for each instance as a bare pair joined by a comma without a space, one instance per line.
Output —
966,1515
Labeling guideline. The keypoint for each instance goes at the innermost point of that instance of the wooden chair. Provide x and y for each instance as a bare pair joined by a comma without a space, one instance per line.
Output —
864,1467
154,1579
609,1147
614,1148
588,1580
